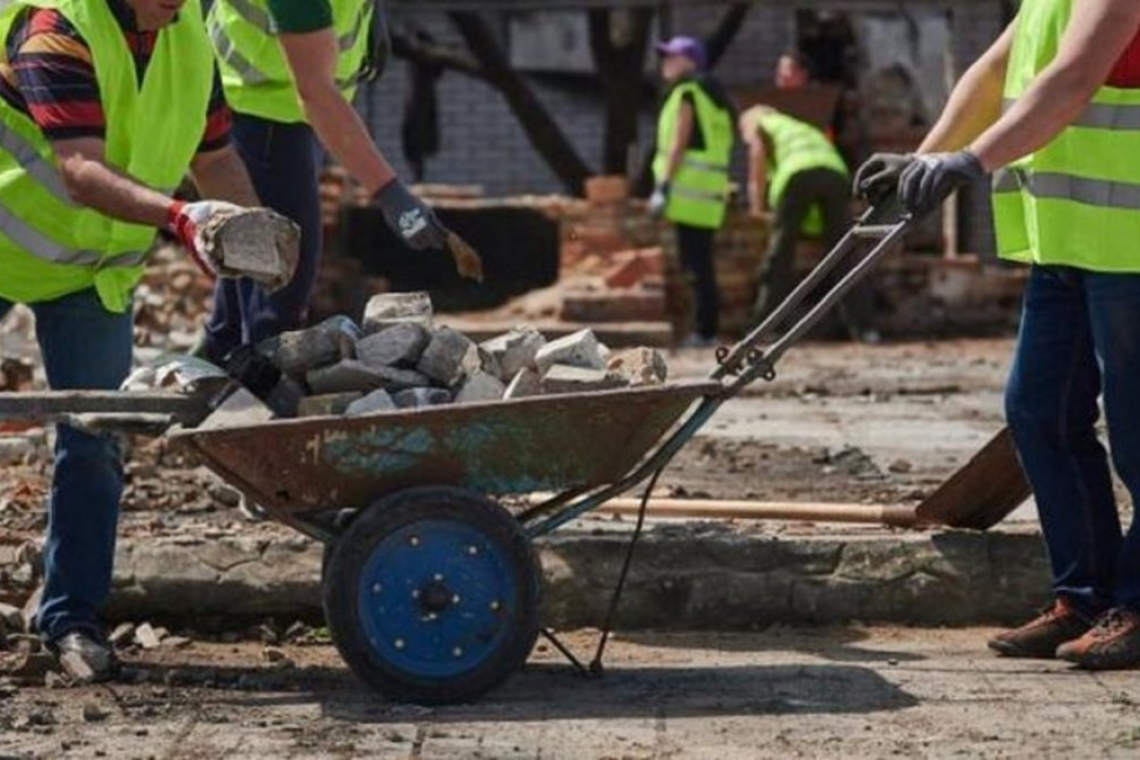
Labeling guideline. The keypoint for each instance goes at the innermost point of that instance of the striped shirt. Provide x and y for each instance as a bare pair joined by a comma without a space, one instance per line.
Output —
47,72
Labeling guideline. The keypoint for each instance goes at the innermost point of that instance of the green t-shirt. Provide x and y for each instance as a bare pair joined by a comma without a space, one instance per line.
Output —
300,16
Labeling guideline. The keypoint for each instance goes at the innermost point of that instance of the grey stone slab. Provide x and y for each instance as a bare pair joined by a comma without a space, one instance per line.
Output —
564,379
526,382
347,376
396,346
388,309
515,350
376,401
580,349
480,386
449,357
415,398
328,405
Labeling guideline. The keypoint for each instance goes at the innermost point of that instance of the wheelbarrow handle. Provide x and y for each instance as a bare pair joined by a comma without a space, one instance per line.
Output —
756,355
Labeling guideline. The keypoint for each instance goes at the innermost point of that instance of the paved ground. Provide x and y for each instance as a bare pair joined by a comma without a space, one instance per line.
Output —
800,693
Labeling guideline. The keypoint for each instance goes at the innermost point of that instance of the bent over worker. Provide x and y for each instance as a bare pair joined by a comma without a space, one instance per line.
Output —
104,106
694,147
1053,111
797,175
290,70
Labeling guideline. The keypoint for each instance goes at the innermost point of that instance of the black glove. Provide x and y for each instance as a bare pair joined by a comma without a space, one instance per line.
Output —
930,179
409,217
879,176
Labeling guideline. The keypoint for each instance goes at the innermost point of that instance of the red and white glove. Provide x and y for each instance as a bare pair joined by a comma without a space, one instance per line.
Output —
185,221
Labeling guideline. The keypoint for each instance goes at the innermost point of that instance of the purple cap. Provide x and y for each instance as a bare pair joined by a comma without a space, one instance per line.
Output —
690,47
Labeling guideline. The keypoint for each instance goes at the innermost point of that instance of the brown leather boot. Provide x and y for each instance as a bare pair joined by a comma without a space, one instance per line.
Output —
1040,637
1112,644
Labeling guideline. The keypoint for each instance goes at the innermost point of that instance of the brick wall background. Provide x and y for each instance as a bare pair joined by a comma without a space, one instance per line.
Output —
482,143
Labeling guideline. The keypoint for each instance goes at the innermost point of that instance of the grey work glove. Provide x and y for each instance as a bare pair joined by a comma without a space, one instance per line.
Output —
930,179
409,217
878,177
659,200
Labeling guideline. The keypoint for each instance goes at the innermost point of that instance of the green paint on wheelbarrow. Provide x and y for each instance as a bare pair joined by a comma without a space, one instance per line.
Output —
535,444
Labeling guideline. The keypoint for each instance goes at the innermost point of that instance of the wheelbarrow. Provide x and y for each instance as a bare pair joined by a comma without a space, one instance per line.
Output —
430,584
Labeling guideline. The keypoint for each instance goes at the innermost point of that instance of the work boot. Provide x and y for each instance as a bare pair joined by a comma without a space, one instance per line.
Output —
1112,644
1040,637
84,658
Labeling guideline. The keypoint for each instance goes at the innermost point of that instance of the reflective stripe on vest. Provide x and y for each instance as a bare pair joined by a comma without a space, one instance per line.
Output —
1074,202
226,50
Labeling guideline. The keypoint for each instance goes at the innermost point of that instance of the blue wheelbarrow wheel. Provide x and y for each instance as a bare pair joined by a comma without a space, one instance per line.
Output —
432,594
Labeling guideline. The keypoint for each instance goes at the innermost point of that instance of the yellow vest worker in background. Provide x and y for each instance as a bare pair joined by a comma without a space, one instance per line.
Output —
798,179
1053,111
92,143
291,69
694,148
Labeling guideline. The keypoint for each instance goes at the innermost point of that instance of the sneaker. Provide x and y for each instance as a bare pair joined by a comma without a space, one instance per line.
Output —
85,659
1040,637
1112,644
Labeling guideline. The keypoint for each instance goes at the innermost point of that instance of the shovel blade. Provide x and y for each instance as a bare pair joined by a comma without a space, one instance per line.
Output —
983,492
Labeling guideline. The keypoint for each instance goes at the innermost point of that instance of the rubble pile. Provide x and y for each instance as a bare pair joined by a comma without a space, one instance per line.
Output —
397,359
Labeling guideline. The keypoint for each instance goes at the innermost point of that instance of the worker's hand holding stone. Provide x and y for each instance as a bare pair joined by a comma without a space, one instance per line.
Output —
409,217
187,221
659,200
879,176
931,178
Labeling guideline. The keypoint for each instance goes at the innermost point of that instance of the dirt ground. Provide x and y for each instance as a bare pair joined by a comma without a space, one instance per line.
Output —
798,693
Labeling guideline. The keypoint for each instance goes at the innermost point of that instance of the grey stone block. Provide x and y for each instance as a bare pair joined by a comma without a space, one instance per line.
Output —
564,379
347,376
580,349
398,345
388,309
415,398
300,351
515,350
241,408
449,357
526,382
640,366
329,405
376,401
480,386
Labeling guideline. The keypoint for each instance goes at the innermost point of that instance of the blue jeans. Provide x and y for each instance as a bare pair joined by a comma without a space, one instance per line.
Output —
84,346
1080,339
282,161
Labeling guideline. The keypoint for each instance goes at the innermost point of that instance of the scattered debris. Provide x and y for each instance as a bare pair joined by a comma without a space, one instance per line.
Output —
640,366
147,637
123,634
94,713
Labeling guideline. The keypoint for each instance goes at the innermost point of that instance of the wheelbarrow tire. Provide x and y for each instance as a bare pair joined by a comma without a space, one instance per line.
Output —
432,594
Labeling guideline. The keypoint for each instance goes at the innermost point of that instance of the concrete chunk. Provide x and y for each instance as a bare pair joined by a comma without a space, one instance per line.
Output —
415,398
526,382
347,376
566,379
515,350
330,405
480,386
640,366
399,345
388,309
449,357
580,349
376,401
239,409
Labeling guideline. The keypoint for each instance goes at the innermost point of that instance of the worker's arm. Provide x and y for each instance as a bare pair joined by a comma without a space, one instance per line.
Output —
976,101
92,183
1094,41
221,174
757,161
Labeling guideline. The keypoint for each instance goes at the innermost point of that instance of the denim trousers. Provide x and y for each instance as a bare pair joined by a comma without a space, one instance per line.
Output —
282,162
1080,341
84,347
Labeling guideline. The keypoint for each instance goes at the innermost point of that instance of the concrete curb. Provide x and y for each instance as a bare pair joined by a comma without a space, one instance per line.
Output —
685,576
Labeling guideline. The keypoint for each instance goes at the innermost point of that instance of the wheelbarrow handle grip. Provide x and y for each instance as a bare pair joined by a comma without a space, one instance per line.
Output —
750,359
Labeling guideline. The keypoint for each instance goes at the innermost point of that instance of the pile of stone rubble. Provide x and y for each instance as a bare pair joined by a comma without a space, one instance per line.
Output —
398,360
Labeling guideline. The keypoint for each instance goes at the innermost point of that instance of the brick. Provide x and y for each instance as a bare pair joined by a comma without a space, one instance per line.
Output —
634,267
639,366
515,350
565,379
580,349
480,386
241,408
632,305
449,357
524,384
329,405
607,189
415,398
388,309
400,345
376,401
